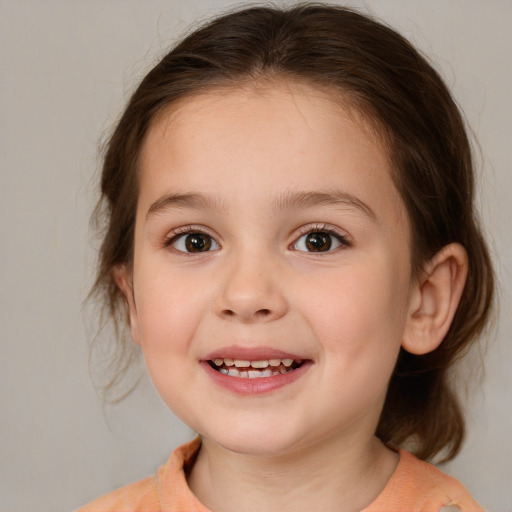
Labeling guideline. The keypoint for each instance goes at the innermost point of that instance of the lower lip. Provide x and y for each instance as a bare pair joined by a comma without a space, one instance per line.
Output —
257,386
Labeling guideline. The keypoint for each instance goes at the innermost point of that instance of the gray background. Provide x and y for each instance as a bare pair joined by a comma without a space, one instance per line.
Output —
67,67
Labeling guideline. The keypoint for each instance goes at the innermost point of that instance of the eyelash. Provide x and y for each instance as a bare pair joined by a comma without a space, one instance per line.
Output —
317,228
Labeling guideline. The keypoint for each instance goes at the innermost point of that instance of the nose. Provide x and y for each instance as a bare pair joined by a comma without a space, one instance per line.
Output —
251,291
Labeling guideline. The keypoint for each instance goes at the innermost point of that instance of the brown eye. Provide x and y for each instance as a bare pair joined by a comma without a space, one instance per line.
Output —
318,241
198,242
194,243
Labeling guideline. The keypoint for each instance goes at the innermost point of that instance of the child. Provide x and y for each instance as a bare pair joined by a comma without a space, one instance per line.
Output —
290,228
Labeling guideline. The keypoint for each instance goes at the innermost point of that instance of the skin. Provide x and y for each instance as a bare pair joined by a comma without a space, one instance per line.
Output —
309,445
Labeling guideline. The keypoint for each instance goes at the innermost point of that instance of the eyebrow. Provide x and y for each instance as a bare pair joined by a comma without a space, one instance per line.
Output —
189,200
285,201
293,199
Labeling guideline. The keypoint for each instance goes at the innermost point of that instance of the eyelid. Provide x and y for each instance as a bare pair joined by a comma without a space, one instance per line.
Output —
321,226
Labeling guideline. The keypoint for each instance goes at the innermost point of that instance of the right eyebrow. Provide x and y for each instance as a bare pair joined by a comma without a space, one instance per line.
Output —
189,200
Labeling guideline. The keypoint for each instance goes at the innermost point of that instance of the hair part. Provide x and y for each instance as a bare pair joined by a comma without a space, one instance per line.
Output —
370,67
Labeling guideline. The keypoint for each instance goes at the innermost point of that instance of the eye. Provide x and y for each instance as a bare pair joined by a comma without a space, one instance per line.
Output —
319,241
193,243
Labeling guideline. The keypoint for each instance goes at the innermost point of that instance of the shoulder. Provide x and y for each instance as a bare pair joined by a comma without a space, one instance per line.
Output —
420,486
167,490
140,496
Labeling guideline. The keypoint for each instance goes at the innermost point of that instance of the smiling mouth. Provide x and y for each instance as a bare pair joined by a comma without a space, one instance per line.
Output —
254,369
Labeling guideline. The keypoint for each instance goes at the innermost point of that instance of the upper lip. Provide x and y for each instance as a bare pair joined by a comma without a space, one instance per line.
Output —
251,354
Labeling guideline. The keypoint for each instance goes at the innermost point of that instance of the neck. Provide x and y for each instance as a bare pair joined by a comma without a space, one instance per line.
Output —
322,477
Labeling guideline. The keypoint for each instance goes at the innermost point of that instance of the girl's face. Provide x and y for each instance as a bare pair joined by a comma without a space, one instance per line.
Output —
269,230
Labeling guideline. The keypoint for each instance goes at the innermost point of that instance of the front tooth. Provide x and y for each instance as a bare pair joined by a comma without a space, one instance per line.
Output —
266,373
228,362
259,364
244,375
218,362
275,362
287,362
240,363
254,374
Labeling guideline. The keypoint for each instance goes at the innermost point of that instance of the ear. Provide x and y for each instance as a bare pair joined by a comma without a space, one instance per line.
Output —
123,277
434,300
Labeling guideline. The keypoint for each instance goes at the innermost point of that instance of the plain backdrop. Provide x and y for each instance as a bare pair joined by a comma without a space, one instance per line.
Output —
67,68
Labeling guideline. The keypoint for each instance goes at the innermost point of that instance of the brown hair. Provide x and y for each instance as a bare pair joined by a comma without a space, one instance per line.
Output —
386,80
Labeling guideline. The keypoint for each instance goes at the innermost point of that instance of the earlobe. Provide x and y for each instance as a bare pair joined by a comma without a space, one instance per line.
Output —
123,278
435,299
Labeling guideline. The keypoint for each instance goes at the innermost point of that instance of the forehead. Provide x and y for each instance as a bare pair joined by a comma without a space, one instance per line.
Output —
286,136
264,104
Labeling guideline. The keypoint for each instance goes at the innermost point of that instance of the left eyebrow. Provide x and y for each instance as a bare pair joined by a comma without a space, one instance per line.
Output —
293,199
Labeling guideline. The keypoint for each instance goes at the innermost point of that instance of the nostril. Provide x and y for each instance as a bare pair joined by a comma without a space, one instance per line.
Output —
260,313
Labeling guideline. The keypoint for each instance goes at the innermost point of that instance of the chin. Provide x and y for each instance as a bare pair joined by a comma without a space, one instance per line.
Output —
257,441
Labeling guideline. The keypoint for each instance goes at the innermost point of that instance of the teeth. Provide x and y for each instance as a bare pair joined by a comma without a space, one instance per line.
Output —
244,368
259,364
233,371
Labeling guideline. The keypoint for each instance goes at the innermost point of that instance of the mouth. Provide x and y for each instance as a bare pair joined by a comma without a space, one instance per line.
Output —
254,371
257,369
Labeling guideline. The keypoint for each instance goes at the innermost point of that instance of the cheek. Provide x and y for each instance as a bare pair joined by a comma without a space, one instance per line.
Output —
169,309
363,309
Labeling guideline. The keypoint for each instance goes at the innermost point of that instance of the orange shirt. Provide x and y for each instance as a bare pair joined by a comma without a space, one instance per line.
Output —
416,486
